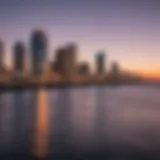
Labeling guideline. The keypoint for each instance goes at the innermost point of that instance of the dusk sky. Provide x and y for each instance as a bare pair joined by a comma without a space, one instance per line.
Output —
128,30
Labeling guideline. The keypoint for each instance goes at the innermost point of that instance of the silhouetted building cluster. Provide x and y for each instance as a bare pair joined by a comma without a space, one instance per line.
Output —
64,67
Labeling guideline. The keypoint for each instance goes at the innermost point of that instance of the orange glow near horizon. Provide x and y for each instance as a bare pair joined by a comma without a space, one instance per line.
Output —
151,75
147,72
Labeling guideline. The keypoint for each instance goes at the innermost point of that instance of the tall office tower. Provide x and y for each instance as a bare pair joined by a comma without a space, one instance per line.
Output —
19,57
100,63
115,69
1,55
59,64
38,51
83,69
66,61
71,59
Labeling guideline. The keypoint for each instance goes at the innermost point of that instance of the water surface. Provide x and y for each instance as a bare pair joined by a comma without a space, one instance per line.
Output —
119,121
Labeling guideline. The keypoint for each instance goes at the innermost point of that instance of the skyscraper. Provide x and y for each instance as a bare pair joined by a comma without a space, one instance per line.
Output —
100,63
66,60
19,57
83,69
1,55
38,51
71,60
60,60
115,69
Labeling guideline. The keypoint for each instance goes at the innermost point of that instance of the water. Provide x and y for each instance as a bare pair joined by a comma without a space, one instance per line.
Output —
116,122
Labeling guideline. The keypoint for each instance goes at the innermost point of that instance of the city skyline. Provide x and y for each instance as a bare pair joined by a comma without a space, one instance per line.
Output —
127,30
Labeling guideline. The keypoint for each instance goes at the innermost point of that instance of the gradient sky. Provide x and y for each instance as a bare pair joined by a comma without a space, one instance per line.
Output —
128,30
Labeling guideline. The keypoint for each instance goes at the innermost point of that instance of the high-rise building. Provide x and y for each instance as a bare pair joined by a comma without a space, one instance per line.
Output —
19,57
83,69
59,64
1,55
71,59
66,61
100,63
38,51
115,69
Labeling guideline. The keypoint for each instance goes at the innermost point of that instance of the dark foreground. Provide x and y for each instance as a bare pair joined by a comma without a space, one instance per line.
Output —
84,156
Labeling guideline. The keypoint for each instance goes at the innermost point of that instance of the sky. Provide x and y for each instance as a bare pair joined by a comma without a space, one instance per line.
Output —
127,30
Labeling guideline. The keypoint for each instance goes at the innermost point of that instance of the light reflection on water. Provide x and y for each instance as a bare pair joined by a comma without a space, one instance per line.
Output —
48,122
41,125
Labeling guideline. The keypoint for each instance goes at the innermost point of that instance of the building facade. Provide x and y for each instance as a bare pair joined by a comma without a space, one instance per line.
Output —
65,62
84,69
19,57
38,52
100,63
115,69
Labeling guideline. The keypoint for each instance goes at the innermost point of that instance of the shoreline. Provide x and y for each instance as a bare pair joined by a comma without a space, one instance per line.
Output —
13,87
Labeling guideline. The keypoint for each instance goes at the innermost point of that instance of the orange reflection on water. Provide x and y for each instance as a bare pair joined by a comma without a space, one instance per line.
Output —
41,126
